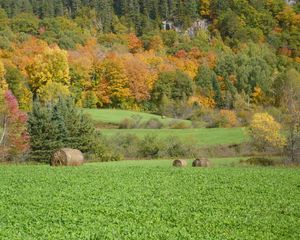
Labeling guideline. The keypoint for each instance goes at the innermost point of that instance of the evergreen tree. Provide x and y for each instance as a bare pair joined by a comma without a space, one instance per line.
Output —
59,125
44,133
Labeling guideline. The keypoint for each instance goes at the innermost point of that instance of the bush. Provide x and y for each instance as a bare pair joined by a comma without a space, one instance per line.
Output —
179,125
227,119
176,147
153,123
127,123
150,146
126,145
259,161
101,153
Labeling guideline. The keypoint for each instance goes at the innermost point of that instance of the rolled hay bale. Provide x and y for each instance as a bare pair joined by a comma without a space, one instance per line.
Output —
179,163
67,157
201,162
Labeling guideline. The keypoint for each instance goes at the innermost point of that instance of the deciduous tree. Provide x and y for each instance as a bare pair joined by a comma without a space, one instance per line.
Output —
265,132
14,139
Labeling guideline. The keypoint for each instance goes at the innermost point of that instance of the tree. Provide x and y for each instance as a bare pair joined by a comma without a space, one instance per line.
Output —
111,83
3,84
25,23
49,72
173,85
205,8
265,132
57,125
14,139
291,104
43,132
17,83
134,43
140,78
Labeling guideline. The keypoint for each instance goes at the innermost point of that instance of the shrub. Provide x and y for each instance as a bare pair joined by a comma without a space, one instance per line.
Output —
176,147
153,123
101,151
126,145
244,117
150,146
259,161
179,125
127,123
227,119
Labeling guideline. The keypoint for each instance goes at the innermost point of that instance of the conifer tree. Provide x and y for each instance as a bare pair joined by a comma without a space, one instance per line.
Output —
57,125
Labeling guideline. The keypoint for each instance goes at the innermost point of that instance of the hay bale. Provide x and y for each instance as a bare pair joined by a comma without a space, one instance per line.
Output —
179,163
67,157
201,162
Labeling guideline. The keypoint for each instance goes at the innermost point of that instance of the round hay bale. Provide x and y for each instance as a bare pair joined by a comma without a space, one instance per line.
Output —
179,163
201,162
67,157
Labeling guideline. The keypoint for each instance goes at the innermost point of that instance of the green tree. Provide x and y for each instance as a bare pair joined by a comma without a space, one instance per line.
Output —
25,23
173,85
57,125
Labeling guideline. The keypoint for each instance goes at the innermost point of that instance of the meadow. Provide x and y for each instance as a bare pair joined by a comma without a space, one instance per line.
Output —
200,136
149,200
115,116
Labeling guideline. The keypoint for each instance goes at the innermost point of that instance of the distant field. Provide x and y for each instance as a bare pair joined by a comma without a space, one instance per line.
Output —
201,136
115,116
144,200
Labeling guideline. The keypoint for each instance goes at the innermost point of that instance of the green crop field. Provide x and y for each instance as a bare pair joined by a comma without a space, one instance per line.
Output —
115,116
201,136
149,200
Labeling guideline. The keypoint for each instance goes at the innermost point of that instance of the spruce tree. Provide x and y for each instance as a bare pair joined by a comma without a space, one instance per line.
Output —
59,125
44,133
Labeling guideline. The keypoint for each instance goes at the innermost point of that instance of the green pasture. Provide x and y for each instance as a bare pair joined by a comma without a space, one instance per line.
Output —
115,116
149,200
201,136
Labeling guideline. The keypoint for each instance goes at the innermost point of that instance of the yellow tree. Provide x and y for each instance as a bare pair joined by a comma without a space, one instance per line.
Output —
140,78
113,84
49,72
204,8
265,132
3,84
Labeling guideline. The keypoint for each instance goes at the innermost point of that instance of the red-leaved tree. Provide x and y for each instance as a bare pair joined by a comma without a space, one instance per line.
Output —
14,138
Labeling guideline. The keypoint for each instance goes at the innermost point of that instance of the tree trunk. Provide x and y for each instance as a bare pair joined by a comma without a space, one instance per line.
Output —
4,131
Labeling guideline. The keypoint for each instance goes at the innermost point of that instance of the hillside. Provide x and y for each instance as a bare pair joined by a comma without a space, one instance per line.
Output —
155,56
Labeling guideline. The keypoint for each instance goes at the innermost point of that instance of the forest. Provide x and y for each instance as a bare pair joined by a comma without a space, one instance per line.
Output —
200,60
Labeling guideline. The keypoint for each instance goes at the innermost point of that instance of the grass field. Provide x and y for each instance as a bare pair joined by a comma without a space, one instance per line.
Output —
149,200
115,116
201,136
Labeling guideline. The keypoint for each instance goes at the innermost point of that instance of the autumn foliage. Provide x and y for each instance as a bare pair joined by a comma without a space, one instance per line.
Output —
14,141
265,132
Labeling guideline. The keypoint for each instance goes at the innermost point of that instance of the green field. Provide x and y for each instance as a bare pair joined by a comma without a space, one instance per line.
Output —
149,200
115,116
201,136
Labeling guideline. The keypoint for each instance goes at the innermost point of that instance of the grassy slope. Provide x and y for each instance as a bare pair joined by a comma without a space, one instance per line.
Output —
202,136
148,200
115,116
